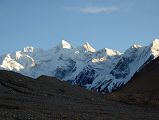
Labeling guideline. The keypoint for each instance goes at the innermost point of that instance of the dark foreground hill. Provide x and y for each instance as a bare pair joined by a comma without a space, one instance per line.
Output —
46,98
143,88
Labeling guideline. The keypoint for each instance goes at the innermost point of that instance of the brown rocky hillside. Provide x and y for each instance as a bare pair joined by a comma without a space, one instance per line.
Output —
46,98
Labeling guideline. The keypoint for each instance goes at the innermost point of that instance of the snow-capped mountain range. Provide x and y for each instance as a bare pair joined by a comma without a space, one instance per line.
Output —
104,70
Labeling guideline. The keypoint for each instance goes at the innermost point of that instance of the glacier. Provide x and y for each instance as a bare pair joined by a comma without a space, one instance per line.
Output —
103,70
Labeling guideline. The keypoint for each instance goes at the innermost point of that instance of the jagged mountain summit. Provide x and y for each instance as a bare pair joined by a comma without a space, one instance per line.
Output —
102,70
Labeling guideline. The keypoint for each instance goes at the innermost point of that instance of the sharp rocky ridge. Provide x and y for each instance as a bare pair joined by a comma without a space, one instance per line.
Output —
102,70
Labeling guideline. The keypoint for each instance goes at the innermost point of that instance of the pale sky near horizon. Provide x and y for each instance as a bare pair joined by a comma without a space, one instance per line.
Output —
114,24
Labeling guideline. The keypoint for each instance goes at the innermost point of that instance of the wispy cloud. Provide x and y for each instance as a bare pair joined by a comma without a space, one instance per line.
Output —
95,10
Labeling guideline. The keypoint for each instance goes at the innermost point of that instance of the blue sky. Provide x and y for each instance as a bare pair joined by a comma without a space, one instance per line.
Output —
115,24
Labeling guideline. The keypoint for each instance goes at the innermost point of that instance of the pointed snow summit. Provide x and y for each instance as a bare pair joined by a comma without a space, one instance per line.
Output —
88,47
28,49
65,45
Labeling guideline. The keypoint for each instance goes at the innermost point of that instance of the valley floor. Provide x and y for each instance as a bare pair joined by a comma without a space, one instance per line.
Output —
24,107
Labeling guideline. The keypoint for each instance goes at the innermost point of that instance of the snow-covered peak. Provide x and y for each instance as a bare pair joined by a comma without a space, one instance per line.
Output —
10,64
132,50
136,46
154,46
111,52
88,47
65,44
28,49
155,41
